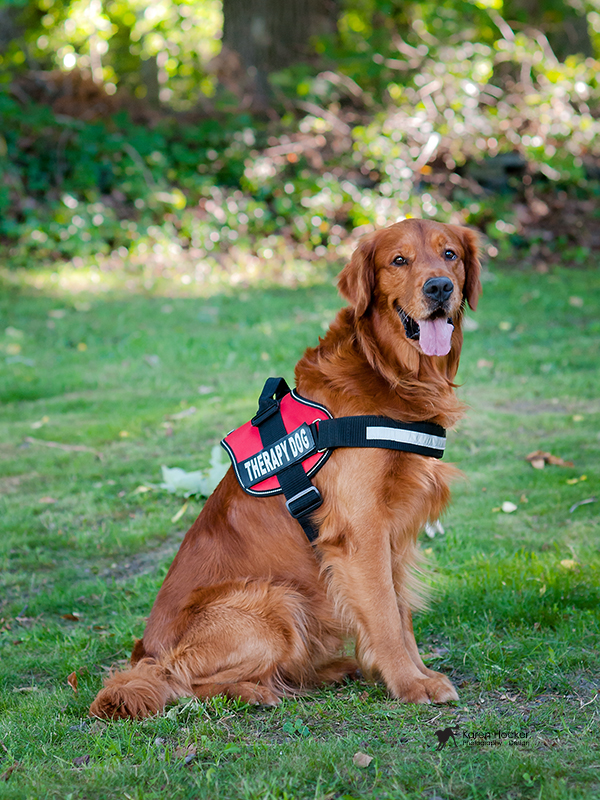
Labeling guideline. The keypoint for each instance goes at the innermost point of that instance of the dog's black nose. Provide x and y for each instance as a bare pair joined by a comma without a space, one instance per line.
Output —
438,289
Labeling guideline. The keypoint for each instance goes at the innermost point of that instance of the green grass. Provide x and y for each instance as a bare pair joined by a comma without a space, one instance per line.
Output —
514,619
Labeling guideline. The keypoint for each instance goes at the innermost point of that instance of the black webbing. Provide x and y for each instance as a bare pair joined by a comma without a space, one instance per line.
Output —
351,432
301,495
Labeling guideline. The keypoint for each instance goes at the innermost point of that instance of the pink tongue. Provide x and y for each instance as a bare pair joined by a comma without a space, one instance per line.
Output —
435,336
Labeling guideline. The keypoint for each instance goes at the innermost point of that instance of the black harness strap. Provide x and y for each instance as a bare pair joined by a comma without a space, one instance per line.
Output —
423,438
302,497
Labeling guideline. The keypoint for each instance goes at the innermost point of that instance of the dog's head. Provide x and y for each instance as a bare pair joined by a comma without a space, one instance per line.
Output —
412,281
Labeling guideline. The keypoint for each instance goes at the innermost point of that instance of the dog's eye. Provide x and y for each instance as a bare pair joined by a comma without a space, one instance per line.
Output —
450,255
399,261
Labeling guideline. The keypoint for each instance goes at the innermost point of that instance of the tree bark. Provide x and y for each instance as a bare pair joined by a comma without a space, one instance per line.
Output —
269,35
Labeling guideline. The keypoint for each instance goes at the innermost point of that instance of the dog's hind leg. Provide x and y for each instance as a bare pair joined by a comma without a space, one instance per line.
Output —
239,639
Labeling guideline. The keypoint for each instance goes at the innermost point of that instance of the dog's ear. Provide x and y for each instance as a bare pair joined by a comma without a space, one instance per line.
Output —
356,281
472,288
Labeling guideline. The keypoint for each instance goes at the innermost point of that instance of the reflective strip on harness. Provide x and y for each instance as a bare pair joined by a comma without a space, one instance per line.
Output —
385,434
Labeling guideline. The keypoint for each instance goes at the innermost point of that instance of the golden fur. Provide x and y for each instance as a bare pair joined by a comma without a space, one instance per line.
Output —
248,608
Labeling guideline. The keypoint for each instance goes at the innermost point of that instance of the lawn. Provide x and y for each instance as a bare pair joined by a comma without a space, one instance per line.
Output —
126,380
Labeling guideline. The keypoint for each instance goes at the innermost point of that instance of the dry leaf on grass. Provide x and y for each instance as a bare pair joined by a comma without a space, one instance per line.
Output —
569,563
72,681
361,759
48,500
176,517
71,617
188,754
539,458
582,503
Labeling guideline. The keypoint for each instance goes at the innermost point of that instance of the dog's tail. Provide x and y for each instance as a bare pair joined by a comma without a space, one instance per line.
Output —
138,692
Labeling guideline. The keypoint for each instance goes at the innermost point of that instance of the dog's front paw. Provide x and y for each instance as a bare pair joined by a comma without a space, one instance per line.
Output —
436,689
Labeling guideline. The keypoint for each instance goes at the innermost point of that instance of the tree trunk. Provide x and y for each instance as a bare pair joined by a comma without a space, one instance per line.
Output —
268,35
564,25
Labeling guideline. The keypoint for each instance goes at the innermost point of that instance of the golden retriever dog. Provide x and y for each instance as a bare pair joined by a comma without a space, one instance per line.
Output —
249,609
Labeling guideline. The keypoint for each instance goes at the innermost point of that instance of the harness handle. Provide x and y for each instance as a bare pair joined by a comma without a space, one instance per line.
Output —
268,402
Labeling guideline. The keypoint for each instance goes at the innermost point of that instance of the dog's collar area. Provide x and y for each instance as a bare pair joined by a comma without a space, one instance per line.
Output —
290,438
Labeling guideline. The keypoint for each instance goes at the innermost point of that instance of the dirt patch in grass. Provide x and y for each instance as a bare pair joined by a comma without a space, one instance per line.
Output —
144,562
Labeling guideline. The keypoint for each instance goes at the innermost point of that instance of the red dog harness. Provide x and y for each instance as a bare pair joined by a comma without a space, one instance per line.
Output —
290,438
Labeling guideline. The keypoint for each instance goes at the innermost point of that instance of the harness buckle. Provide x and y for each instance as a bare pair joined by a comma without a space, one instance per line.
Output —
264,413
305,502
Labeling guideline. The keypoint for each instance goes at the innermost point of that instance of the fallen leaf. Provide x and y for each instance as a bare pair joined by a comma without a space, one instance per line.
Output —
523,499
578,417
582,503
176,517
57,313
184,751
573,481
40,423
71,617
13,348
483,363
361,759
577,302
72,681
123,434
25,689
186,484
142,489
81,761
82,347
569,563
508,507
8,772
546,458
505,326
48,500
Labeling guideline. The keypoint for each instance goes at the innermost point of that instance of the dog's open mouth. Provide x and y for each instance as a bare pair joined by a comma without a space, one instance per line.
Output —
434,335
